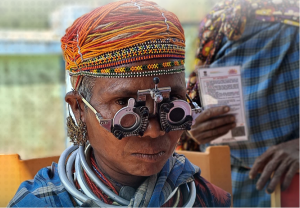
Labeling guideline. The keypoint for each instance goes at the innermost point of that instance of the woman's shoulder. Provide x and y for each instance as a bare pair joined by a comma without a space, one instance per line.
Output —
45,190
210,195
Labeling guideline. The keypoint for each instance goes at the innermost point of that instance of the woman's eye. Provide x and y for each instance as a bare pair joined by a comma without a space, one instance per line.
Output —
122,101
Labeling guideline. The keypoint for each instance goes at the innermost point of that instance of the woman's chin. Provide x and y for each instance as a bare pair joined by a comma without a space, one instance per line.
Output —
147,168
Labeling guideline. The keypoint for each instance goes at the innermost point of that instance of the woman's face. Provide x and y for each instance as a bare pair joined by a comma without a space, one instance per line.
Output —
135,155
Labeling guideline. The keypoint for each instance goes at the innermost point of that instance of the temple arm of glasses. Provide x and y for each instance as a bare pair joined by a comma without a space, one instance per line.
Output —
89,105
105,123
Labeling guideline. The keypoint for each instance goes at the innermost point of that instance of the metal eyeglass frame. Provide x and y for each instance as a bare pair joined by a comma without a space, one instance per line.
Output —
165,108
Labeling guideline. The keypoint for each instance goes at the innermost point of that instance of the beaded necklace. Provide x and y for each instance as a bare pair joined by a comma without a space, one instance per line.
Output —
178,200
97,191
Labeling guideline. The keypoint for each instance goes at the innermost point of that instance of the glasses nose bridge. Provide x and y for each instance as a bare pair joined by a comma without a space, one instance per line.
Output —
149,103
154,126
145,96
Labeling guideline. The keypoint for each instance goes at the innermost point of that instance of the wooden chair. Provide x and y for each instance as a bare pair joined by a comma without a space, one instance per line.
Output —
287,198
14,171
215,165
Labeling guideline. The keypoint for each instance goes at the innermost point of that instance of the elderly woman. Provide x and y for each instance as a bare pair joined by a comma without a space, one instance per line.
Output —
126,61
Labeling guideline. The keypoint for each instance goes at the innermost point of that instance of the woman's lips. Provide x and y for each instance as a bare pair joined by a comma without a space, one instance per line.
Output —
149,157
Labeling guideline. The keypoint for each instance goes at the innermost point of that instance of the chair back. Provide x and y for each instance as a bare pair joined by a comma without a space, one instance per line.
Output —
13,171
214,164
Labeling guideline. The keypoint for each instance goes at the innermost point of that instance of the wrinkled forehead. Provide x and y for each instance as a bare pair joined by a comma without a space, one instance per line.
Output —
128,87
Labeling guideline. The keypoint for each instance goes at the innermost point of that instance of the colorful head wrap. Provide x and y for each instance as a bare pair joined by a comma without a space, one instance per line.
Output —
103,41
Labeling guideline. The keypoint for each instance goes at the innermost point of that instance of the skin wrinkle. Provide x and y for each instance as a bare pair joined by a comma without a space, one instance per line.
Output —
128,144
115,156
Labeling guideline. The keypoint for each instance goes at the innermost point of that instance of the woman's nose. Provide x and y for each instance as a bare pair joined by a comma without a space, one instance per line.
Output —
153,130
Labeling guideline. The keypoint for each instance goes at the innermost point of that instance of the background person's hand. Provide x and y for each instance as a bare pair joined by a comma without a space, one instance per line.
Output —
280,159
208,126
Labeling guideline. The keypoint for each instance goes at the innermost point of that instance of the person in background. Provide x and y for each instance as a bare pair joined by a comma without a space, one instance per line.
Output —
125,60
263,38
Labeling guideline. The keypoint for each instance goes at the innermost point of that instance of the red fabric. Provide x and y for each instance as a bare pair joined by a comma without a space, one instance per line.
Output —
290,197
209,195
171,202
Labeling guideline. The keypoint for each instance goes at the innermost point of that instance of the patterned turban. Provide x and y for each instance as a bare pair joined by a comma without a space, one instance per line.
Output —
105,41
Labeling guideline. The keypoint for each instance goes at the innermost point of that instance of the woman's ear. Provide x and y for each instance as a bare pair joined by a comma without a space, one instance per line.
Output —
74,100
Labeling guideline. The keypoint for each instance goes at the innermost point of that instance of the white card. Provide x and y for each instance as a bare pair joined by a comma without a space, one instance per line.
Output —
222,86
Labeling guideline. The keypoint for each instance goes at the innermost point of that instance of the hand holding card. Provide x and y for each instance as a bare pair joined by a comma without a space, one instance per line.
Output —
222,87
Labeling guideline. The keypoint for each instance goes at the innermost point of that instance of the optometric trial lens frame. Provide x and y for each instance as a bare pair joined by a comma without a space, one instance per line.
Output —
173,115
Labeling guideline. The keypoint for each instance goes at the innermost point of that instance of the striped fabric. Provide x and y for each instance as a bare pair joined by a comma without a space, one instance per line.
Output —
262,37
42,191
46,190
244,190
178,170
269,57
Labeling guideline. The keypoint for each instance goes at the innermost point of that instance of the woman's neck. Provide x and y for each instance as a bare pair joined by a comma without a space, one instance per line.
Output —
119,179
